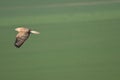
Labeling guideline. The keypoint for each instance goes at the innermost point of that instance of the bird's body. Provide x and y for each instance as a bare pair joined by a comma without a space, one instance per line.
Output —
23,35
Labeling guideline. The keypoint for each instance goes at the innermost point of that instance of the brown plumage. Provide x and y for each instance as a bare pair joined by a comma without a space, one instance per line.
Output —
23,35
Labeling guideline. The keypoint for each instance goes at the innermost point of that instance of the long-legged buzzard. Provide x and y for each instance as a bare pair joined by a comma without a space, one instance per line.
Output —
23,35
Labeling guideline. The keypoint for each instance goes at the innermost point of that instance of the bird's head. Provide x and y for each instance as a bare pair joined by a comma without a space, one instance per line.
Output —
22,29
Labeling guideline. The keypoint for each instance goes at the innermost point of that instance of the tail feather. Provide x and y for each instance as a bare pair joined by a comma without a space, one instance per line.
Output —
35,32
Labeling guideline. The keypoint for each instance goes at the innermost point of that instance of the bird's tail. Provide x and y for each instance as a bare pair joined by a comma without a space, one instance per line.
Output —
35,32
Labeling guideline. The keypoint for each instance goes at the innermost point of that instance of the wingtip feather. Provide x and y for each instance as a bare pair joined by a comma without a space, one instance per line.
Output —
35,32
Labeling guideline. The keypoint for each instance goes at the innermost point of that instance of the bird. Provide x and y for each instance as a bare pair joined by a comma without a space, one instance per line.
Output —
23,35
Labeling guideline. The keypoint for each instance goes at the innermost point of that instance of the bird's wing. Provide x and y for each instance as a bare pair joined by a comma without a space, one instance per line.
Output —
34,32
20,39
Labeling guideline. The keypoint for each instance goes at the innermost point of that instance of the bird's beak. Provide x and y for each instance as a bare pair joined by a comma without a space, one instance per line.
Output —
16,29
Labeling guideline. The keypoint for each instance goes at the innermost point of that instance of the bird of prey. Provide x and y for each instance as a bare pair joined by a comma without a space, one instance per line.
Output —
23,35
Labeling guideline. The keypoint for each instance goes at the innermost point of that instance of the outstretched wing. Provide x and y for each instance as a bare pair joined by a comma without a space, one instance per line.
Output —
20,39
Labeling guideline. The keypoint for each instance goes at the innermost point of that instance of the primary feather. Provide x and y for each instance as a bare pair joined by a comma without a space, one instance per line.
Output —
35,32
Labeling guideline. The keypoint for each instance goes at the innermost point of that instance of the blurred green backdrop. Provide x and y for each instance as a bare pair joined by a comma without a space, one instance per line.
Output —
79,40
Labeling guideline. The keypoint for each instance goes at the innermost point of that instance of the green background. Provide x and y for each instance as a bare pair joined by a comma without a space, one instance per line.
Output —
79,40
